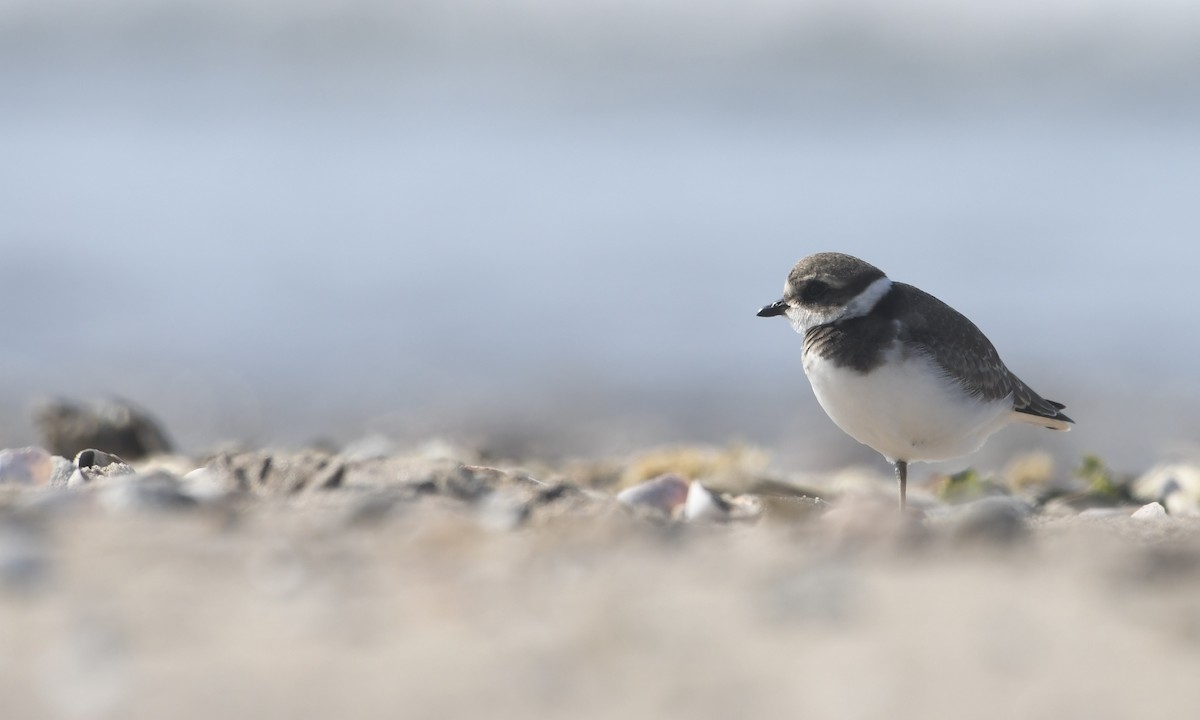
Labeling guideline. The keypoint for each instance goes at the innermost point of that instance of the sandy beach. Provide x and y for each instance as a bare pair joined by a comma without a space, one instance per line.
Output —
312,585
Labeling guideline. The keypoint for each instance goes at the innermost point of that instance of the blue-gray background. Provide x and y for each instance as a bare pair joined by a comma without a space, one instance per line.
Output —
548,225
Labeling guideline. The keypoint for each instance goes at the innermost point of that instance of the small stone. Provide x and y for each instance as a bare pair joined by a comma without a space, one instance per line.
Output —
145,493
702,504
998,520
26,466
207,485
665,494
1150,511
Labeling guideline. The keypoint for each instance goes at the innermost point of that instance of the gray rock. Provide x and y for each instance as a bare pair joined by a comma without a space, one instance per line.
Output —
996,520
112,425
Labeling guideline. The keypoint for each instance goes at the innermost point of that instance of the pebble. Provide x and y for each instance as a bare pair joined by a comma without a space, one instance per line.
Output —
31,466
665,494
155,492
702,504
999,520
208,486
1151,511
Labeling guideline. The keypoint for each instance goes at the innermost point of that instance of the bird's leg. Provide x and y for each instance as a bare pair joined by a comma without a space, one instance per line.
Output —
902,478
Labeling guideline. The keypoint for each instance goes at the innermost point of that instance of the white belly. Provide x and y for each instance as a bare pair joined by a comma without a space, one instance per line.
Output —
906,409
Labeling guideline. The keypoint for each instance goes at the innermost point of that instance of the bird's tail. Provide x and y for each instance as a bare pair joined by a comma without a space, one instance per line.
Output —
1047,414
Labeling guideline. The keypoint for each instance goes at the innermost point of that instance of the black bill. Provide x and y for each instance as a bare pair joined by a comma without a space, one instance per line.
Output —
775,308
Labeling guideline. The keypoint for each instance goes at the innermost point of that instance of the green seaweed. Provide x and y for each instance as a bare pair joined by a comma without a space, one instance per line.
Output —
967,485
1099,478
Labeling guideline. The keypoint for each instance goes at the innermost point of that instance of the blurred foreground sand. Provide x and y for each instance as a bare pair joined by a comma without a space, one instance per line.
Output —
360,602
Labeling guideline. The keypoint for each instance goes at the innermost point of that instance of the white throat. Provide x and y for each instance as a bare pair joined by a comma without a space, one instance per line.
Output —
804,318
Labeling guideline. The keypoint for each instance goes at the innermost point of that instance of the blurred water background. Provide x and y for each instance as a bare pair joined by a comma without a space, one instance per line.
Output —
547,226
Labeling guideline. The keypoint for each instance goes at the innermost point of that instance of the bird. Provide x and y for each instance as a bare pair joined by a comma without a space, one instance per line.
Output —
899,370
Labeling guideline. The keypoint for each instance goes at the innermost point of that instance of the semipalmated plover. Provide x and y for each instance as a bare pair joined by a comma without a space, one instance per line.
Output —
899,370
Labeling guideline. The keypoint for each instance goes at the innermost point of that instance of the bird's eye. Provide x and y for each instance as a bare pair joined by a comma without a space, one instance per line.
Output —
814,290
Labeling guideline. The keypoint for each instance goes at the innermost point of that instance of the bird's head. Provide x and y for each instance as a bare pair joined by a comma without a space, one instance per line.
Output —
828,287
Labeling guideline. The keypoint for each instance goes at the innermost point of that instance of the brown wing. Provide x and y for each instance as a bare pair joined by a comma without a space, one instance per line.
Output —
965,353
